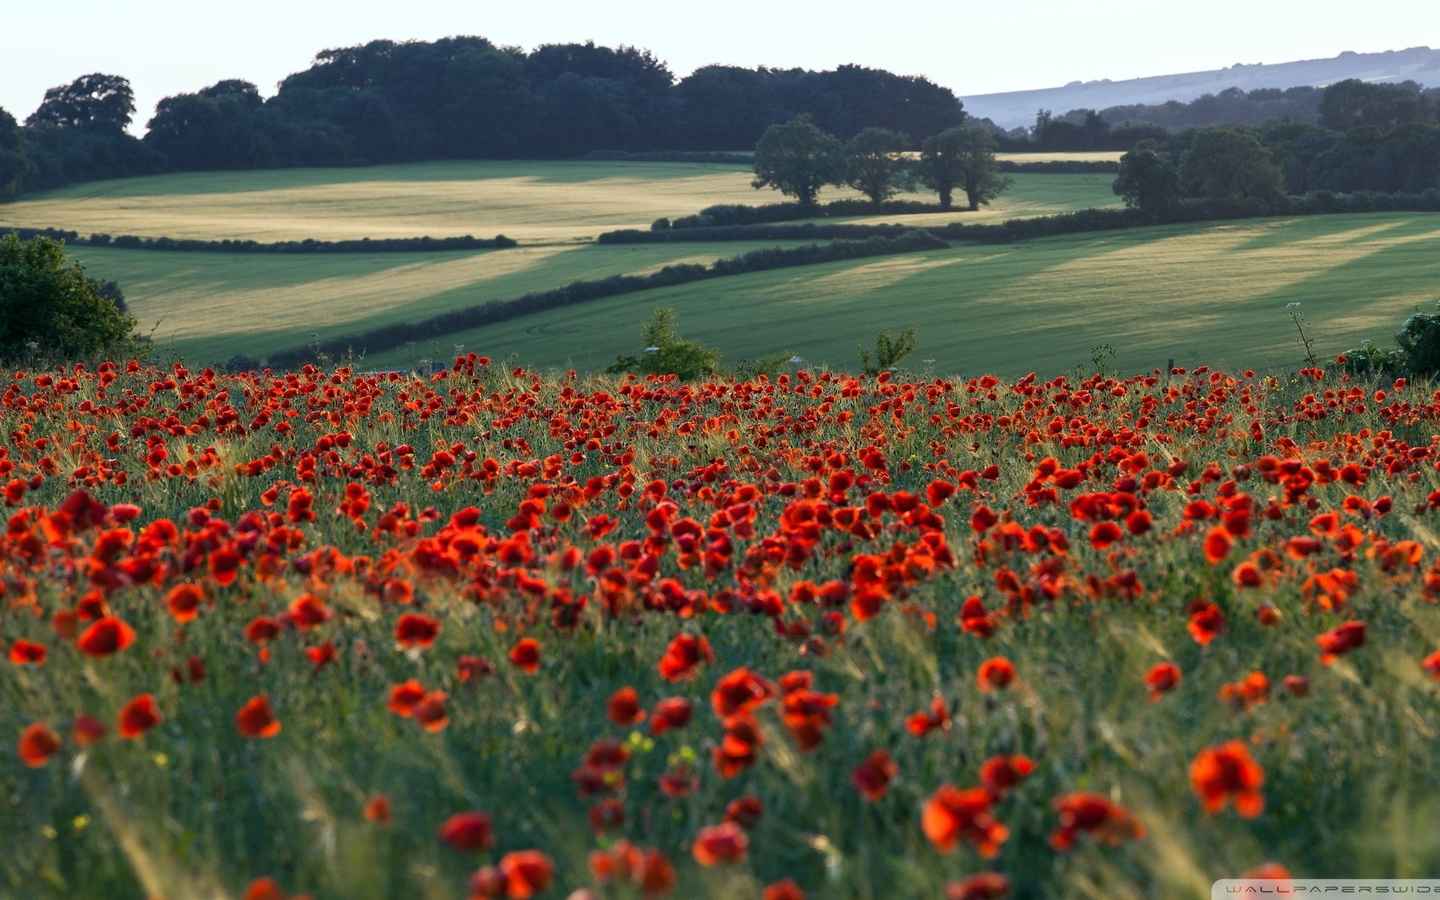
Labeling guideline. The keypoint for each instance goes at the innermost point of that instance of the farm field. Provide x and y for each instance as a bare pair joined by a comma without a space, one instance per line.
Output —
493,634
208,307
542,202
1212,293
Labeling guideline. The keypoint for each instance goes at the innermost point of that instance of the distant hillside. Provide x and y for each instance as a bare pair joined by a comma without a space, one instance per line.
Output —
1017,108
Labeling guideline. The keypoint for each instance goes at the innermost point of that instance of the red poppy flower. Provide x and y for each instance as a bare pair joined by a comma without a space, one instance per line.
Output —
1095,815
1431,664
184,601
473,668
1340,640
684,656
256,720
37,744
924,722
995,674
431,713
720,844
1162,679
1217,545
873,776
308,611
1206,623
264,889
669,714
468,832
27,653
526,872
377,810
105,636
624,708
525,655
999,774
739,692
745,811
138,716
783,890
1220,775
952,815
415,630
87,730
984,886
404,697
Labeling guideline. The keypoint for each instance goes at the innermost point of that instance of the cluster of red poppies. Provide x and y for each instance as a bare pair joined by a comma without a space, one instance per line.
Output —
292,512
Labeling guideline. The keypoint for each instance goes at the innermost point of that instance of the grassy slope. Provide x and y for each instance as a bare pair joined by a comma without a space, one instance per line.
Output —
211,306
1212,294
530,201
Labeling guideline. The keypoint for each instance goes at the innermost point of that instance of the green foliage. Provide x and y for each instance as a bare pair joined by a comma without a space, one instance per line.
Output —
1419,340
95,102
1148,181
1229,164
14,164
50,309
873,164
1416,350
667,353
962,158
890,349
1353,103
798,159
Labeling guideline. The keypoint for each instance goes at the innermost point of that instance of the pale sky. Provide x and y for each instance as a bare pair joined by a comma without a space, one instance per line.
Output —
169,46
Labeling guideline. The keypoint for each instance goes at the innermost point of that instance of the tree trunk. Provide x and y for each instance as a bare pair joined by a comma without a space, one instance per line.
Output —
947,198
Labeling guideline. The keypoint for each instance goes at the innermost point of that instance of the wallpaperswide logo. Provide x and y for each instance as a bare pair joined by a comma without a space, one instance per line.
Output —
1240,888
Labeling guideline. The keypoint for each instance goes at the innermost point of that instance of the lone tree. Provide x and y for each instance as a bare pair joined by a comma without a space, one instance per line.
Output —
873,165
962,158
98,102
798,159
49,308
1148,180
1229,164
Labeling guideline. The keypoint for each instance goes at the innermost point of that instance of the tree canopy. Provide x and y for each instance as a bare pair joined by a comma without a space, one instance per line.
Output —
798,159
49,308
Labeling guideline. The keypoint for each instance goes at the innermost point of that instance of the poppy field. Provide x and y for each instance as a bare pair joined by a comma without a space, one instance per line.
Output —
495,633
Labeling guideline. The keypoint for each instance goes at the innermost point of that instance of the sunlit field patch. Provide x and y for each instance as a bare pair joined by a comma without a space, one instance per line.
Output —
499,634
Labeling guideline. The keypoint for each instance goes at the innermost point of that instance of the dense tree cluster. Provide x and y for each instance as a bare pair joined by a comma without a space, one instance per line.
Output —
456,98
1392,156
49,308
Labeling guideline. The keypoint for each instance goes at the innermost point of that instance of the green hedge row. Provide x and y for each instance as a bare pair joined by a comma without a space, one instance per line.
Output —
1046,226
363,245
388,337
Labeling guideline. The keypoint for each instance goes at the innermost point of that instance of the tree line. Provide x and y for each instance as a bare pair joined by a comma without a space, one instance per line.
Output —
1340,107
799,158
456,98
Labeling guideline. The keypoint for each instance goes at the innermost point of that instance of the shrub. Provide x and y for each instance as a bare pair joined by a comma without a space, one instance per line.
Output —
50,309
667,353
1419,340
890,349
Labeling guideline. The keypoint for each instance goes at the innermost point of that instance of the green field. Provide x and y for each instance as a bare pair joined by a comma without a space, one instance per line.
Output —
1211,294
529,201
208,307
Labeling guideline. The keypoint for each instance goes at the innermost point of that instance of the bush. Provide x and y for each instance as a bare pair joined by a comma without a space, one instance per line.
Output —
49,309
1419,340
890,349
667,353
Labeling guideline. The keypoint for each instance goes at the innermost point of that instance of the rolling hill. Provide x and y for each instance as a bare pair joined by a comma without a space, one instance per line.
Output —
1017,108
